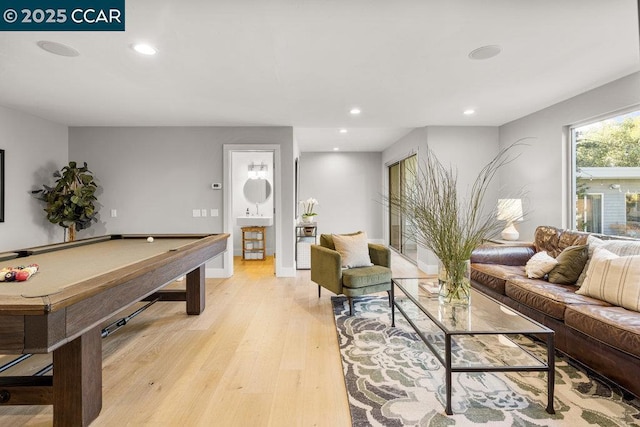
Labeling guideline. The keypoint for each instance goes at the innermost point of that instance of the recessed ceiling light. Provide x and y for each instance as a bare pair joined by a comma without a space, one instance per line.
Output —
57,48
354,111
469,112
343,131
336,149
144,49
485,52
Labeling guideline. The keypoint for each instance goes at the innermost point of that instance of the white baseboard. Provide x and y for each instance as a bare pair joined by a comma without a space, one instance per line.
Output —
286,272
428,268
216,273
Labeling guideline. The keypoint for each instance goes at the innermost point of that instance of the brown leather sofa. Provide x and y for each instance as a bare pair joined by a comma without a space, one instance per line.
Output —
595,333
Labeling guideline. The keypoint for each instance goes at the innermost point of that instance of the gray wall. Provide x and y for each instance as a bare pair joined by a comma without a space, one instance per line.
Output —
468,149
155,176
34,149
348,187
544,168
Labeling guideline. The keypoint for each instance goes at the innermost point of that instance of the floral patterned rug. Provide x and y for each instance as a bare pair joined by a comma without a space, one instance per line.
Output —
393,379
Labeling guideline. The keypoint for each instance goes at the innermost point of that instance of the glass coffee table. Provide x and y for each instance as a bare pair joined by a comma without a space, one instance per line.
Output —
474,338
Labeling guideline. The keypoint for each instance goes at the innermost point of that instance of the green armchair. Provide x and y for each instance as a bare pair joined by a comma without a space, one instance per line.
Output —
327,272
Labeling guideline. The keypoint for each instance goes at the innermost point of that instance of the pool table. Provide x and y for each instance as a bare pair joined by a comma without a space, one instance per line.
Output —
79,285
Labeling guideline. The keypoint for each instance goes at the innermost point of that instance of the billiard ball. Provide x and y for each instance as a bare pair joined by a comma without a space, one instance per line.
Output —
150,239
22,275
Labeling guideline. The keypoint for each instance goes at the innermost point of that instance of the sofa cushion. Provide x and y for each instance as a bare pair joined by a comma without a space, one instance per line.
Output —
494,276
539,265
571,262
615,326
549,298
614,279
554,240
365,276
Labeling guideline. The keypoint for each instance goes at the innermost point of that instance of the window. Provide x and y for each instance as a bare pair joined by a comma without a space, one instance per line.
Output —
400,176
606,175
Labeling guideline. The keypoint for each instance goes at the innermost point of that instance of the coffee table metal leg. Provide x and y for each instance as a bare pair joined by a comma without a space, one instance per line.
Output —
393,306
447,353
551,373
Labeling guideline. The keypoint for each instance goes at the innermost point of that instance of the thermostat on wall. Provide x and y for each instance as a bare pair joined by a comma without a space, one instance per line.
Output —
216,186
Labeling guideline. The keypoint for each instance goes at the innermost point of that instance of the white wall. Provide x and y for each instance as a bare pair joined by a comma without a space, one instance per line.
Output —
348,187
34,149
544,168
467,149
155,176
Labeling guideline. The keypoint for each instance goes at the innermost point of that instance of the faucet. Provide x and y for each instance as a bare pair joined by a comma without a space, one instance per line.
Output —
257,213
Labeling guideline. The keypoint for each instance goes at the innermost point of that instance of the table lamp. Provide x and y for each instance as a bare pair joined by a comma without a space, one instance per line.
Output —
510,210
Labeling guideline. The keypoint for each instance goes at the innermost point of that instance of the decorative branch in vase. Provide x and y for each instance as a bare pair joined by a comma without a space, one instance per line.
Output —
450,226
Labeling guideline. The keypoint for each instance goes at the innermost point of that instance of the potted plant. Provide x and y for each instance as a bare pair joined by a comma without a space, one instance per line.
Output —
450,226
308,215
70,203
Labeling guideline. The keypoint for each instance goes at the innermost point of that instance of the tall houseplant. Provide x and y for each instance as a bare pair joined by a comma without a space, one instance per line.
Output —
70,203
450,226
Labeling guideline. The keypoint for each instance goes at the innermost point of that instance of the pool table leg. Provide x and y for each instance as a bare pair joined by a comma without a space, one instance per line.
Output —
196,291
77,380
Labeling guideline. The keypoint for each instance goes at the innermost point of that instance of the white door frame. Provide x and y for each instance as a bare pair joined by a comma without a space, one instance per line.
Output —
228,222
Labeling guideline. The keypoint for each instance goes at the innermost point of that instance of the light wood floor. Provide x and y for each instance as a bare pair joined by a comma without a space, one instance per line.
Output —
263,353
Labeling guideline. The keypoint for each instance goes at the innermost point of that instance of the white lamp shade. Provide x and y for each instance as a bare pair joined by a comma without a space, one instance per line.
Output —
510,210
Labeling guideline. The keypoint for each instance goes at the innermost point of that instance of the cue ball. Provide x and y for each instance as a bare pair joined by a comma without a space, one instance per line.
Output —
150,239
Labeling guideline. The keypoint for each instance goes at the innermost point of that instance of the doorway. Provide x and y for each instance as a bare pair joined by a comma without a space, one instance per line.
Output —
242,165
401,176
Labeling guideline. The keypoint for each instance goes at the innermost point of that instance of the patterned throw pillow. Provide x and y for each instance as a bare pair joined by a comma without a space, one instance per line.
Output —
618,247
539,265
354,250
614,279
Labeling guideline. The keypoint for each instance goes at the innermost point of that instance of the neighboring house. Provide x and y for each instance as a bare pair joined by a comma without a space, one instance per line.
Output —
607,200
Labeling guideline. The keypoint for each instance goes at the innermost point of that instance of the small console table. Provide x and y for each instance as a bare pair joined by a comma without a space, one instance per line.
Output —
306,234
253,243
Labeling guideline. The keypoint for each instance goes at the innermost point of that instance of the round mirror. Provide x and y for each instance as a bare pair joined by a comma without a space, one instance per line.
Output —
257,190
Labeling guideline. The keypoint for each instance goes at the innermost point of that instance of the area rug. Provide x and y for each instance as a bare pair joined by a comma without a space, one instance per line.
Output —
393,379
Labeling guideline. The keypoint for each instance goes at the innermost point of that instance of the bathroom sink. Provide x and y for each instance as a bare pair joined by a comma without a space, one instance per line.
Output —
254,221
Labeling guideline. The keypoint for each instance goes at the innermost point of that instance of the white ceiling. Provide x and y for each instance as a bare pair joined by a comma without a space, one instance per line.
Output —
305,63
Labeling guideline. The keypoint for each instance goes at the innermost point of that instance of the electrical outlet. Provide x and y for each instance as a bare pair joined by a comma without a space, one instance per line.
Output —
196,213
214,212
114,213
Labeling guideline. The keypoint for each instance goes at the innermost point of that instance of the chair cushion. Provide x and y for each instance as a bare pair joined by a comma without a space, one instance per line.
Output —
362,277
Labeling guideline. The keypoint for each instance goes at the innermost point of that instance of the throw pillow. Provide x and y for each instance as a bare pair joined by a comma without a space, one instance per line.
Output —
614,279
354,249
618,247
571,262
539,265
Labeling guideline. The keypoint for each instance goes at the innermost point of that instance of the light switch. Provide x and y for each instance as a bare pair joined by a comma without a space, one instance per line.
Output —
114,213
196,213
203,212
214,212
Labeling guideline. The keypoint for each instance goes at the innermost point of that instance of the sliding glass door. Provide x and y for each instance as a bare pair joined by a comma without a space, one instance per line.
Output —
401,175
